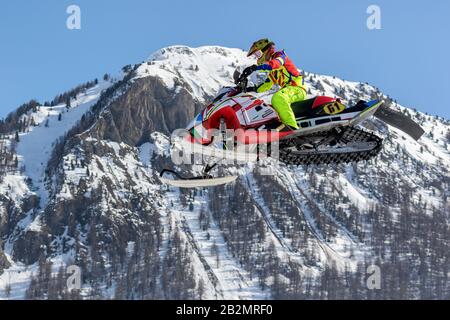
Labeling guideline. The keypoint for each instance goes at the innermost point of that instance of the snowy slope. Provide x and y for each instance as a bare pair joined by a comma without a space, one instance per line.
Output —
35,147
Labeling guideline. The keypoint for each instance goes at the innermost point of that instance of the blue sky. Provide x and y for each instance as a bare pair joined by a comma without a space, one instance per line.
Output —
407,59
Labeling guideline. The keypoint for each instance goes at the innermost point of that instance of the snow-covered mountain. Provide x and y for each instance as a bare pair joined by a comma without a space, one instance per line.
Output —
79,186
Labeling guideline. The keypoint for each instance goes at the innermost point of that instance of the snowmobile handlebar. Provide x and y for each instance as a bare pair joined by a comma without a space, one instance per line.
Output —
243,84
241,80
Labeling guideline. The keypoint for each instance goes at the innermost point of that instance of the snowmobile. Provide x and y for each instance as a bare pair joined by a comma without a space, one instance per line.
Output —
328,132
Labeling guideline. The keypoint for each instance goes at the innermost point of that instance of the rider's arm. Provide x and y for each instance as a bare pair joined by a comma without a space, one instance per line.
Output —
274,64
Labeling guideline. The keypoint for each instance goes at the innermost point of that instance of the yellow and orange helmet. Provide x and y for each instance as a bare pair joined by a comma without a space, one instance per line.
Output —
262,50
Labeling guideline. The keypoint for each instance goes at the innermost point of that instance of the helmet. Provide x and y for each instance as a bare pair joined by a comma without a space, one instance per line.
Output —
262,49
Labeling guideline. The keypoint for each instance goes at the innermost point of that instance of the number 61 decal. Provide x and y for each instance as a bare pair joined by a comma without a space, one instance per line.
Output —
333,107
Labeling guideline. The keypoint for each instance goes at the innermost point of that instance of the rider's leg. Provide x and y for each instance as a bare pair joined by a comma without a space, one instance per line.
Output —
282,100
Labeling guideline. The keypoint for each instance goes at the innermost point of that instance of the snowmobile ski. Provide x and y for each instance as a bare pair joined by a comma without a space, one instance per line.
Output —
195,182
199,183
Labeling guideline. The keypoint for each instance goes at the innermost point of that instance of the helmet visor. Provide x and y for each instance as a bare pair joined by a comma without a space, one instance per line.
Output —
257,54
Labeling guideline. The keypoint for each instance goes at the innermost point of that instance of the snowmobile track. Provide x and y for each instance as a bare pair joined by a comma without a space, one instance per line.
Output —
350,134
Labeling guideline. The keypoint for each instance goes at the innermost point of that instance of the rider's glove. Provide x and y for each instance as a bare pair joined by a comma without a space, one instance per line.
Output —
249,70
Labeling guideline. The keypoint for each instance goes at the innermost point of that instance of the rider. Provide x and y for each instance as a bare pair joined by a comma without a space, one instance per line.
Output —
282,72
